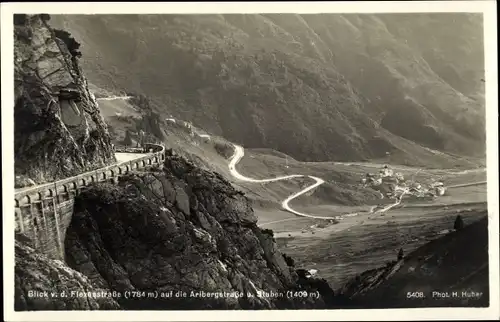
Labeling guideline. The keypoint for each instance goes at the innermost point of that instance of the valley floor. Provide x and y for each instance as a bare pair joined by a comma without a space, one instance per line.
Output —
361,241
356,244
340,249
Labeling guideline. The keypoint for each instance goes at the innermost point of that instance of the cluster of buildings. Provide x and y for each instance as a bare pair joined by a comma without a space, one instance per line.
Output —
394,185
385,175
190,129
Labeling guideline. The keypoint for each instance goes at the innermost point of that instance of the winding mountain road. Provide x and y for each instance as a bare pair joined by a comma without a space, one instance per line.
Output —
467,184
111,98
239,152
236,158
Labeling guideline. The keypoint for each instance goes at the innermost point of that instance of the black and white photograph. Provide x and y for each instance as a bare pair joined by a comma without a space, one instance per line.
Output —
241,161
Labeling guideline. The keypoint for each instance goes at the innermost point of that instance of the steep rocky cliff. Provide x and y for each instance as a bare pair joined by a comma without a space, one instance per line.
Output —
58,128
45,284
181,229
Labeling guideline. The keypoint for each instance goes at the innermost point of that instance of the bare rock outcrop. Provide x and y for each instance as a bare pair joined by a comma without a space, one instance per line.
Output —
180,229
46,284
58,128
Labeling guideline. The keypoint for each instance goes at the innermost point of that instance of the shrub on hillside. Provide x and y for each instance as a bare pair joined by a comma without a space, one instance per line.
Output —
224,149
289,261
269,232
141,101
401,254
302,273
459,223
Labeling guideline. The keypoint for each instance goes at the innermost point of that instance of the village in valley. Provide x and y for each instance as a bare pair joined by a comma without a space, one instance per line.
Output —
394,185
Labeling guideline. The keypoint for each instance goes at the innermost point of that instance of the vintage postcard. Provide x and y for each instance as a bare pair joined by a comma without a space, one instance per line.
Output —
250,161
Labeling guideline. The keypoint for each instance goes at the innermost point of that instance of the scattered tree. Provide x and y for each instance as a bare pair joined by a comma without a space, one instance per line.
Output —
142,102
302,273
127,141
289,261
223,149
401,254
459,223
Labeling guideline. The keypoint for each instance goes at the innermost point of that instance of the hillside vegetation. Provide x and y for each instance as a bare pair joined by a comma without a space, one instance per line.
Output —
357,86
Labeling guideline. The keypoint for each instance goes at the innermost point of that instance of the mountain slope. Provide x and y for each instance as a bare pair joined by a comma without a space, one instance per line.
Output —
452,263
357,86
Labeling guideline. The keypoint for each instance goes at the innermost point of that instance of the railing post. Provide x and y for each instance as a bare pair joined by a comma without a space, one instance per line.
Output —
56,221
35,232
20,217
42,211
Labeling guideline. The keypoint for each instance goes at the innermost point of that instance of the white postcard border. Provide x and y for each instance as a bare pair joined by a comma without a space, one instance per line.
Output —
488,8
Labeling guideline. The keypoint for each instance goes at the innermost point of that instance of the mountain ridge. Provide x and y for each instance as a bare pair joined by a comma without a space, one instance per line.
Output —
356,85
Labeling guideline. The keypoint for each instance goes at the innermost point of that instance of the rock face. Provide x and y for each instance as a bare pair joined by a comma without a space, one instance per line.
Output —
59,131
40,283
181,229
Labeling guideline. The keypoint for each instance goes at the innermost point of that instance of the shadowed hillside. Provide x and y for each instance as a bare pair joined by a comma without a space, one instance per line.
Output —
358,86
431,274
